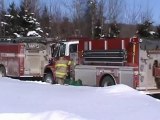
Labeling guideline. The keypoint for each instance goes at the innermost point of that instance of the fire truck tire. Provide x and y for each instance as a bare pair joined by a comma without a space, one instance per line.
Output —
48,78
107,81
2,71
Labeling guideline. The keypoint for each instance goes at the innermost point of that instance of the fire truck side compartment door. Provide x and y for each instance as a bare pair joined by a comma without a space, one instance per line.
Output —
86,73
126,76
35,61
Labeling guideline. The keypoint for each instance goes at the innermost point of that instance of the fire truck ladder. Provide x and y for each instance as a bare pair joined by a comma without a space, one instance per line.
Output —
107,57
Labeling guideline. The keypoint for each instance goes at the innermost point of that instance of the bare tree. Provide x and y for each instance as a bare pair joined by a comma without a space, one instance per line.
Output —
86,15
1,16
114,10
1,5
147,13
36,7
77,11
101,14
45,22
92,10
27,4
32,6
55,19
133,13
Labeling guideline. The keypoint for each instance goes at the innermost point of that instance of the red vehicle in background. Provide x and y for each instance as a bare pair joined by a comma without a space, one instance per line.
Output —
23,57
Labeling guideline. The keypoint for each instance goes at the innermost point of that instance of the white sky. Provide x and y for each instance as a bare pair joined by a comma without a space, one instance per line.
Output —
21,100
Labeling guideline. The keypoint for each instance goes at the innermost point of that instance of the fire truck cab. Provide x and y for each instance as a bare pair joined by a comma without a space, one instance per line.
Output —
68,49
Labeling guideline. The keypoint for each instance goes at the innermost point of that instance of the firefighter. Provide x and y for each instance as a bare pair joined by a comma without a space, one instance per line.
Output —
61,69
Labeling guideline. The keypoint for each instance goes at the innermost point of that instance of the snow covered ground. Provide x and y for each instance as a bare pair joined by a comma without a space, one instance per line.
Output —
22,100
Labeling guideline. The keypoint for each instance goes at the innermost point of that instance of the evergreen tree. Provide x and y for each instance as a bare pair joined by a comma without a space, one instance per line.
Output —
98,30
22,13
145,29
3,23
113,30
30,25
12,20
21,23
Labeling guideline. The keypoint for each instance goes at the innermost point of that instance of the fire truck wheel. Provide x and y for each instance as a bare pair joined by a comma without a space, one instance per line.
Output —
2,71
107,81
49,78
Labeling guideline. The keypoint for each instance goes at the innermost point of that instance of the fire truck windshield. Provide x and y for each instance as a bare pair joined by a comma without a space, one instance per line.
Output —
62,49
58,50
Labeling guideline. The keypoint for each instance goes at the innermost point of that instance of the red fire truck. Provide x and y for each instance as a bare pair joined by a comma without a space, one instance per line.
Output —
104,62
23,57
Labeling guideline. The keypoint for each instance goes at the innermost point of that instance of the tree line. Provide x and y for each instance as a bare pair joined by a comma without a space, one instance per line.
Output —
89,18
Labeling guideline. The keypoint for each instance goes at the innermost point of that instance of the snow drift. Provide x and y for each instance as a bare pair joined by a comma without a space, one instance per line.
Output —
22,100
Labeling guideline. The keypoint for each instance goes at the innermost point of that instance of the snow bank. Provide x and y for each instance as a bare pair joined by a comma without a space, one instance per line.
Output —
56,115
22,100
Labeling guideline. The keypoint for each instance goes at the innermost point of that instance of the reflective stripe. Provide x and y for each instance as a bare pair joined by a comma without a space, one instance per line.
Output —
61,65
60,73
69,63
